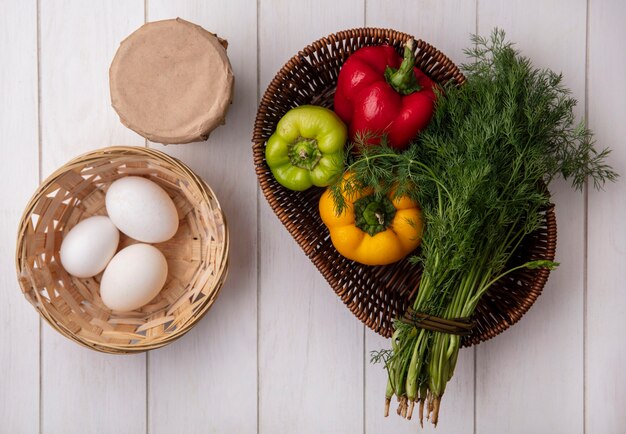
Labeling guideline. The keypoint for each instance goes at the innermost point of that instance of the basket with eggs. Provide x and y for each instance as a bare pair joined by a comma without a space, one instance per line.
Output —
122,249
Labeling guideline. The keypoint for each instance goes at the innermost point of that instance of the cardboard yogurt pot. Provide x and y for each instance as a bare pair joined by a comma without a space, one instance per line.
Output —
171,82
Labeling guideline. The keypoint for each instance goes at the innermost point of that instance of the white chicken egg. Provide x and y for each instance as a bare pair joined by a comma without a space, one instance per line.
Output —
141,209
89,246
133,277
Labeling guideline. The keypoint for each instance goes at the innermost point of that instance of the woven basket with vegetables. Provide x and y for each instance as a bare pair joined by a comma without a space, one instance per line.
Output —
420,193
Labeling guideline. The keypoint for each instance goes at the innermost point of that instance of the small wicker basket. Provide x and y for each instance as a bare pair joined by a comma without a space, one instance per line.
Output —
377,295
197,255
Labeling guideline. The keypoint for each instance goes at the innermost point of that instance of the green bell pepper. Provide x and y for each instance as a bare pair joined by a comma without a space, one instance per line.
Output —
307,148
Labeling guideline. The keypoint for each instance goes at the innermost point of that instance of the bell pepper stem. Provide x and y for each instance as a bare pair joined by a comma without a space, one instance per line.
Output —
373,215
403,79
304,153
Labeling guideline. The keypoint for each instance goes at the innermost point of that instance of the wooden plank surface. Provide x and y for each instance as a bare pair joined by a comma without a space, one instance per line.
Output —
536,367
19,323
446,25
606,299
310,346
84,391
213,369
279,352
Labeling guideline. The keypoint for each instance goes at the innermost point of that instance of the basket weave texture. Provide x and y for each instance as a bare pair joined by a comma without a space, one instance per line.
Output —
378,295
197,255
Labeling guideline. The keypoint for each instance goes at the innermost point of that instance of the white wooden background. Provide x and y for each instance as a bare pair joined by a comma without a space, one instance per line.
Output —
278,352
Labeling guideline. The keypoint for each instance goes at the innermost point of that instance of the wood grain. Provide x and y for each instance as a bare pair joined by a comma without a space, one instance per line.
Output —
540,359
218,357
447,25
310,346
19,322
606,300
84,391
312,356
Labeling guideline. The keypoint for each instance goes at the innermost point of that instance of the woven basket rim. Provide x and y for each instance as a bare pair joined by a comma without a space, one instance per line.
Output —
221,271
267,110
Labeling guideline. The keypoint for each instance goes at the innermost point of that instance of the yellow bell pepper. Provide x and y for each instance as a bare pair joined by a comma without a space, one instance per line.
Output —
372,231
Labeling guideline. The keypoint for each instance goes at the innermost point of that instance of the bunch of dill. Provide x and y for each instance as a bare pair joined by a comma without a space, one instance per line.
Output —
479,172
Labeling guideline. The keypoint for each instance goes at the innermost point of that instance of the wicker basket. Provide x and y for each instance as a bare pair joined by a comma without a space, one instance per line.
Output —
377,295
197,255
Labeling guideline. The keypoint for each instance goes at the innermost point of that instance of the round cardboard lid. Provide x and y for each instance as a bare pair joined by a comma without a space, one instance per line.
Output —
171,81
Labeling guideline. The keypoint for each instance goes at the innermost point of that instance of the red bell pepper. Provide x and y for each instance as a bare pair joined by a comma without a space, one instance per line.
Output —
379,92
